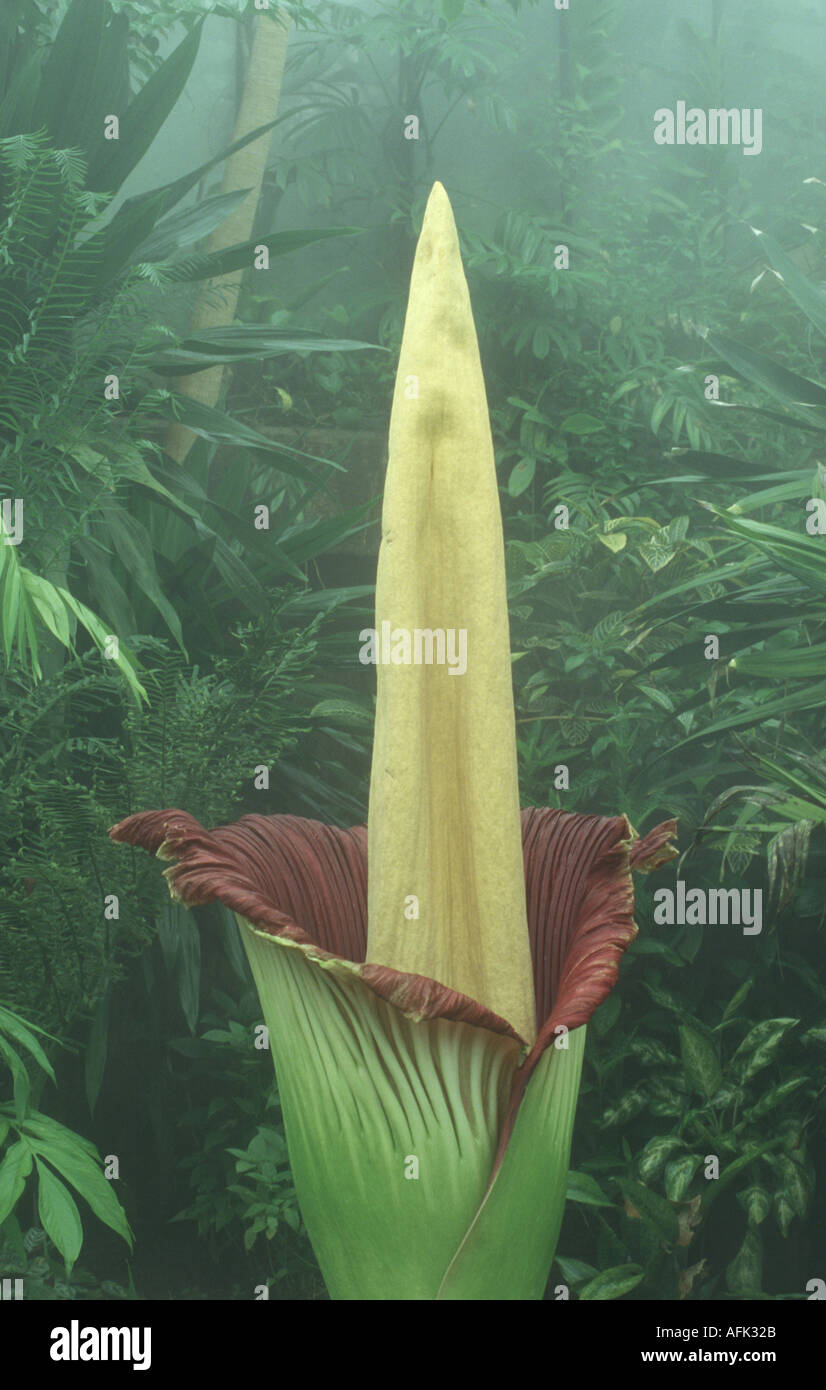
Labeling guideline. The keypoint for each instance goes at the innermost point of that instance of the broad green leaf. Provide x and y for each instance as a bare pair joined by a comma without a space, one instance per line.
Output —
12,593
801,555
794,390
613,1283
782,663
783,1211
14,1169
135,551
581,423
795,1185
583,1188
216,425
173,192
739,997
811,697
655,1153
774,1096
745,1273
16,1028
189,225
654,1210
237,575
49,605
20,1078
343,712
759,1046
68,81
575,1271
106,255
700,1062
99,634
521,477
732,1170
325,600
812,422
679,1175
806,295
796,490
210,264
607,1014
17,106
58,1214
115,608
244,343
308,539
143,118
77,1161
756,1203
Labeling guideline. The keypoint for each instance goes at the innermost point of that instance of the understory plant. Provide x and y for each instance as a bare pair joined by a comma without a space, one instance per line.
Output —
34,1146
704,1077
88,373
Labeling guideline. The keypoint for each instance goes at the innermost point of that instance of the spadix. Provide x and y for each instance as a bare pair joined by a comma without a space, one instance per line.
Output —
443,823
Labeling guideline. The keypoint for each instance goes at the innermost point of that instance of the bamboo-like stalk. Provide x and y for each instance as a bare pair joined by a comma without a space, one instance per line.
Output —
218,298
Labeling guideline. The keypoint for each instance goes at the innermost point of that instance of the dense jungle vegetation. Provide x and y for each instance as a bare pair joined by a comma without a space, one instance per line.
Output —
658,406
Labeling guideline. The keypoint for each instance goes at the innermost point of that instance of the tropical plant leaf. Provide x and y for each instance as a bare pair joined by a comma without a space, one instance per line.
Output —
810,299
210,264
245,343
143,118
77,1161
14,1169
58,1214
613,1283
22,1034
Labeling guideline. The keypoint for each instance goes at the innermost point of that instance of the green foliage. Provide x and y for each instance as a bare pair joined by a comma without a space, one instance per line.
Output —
704,1144
78,347
30,1256
196,743
34,1145
214,1179
240,1179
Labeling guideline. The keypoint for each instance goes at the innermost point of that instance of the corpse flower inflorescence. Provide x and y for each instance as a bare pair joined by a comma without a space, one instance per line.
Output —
426,980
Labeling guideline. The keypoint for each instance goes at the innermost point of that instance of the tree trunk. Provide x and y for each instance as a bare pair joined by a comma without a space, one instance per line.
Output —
245,169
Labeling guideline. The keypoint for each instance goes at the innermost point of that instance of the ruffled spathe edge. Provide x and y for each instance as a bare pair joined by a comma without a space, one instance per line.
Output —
578,886
319,873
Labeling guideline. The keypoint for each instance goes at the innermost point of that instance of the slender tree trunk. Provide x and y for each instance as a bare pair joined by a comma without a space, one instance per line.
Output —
716,18
564,57
259,104
565,86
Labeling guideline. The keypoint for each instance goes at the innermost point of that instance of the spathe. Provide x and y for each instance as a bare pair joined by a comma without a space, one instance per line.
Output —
375,1065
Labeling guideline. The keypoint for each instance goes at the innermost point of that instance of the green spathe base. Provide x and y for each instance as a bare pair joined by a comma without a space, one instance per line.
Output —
509,1249
365,1090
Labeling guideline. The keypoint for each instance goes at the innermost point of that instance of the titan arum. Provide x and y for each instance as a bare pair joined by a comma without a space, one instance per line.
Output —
426,982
